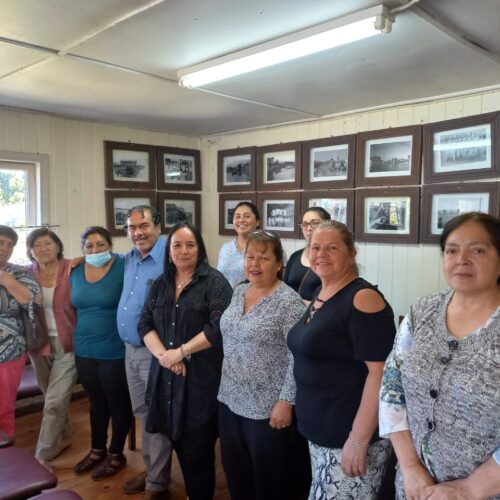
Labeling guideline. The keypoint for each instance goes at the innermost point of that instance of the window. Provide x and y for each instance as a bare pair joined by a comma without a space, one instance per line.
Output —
23,196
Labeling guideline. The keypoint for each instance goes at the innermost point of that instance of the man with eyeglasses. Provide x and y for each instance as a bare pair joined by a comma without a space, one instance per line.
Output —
143,264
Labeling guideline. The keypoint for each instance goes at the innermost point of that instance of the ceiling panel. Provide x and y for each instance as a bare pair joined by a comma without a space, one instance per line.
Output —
97,92
13,58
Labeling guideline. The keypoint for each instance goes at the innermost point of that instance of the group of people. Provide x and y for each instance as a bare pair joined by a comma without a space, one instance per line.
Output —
265,357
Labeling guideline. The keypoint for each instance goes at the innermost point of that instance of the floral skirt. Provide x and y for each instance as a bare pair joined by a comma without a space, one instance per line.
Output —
329,482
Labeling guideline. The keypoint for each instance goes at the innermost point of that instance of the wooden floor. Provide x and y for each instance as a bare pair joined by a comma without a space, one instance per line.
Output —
27,428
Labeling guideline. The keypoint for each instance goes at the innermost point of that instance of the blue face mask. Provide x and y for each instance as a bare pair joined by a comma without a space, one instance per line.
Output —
98,259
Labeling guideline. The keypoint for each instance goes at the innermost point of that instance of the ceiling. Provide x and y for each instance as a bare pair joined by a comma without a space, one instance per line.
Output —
117,60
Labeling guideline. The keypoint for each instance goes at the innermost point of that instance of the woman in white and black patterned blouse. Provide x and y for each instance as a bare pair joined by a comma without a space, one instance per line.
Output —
257,390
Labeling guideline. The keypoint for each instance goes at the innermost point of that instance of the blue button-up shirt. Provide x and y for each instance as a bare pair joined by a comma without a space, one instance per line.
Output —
138,278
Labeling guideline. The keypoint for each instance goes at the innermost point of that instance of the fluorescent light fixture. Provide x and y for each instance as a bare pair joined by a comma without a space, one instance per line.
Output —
334,33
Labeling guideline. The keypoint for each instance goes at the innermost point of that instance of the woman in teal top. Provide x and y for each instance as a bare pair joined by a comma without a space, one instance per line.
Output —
99,352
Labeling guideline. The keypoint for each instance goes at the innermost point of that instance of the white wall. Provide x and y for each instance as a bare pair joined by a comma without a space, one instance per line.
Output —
76,164
402,272
76,152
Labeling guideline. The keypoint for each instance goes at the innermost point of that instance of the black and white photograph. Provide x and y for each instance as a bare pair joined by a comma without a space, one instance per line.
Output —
178,169
130,166
279,166
386,216
237,170
329,163
338,203
336,207
279,215
442,202
118,203
178,207
388,157
462,149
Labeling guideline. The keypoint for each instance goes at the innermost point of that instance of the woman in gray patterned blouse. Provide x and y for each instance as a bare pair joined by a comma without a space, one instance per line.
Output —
440,396
17,289
257,390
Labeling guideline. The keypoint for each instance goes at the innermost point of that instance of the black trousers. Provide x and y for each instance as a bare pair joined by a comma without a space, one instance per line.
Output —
105,382
256,458
196,453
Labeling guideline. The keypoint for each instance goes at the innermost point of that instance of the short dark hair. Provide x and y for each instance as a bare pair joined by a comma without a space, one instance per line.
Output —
155,215
9,233
323,214
269,239
38,233
169,268
251,206
102,231
488,222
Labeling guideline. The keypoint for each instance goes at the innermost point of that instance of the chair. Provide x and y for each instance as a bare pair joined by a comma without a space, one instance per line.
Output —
21,475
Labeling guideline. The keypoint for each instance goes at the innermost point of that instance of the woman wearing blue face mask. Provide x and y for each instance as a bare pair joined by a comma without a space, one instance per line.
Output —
99,352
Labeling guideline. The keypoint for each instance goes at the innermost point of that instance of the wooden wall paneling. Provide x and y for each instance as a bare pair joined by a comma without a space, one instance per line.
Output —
92,202
413,282
369,268
28,134
14,132
385,269
400,275
3,130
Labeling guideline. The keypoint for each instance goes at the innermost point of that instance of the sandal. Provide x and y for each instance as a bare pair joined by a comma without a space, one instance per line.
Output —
93,458
112,464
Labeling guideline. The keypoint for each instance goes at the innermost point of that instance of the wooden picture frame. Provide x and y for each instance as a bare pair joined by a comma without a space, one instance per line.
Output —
338,203
179,207
387,215
280,212
178,169
129,166
462,149
118,203
236,169
227,202
329,163
390,157
279,166
442,202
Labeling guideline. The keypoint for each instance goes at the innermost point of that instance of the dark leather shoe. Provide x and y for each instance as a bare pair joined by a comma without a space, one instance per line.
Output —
136,484
109,466
89,461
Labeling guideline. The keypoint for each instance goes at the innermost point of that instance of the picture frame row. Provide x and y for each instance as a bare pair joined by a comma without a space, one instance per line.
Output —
173,208
455,150
141,166
406,214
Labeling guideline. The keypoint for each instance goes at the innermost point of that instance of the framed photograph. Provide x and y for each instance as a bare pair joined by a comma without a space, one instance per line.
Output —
389,157
227,204
280,212
387,215
339,204
179,207
462,149
130,166
279,166
178,169
329,163
442,202
236,169
118,203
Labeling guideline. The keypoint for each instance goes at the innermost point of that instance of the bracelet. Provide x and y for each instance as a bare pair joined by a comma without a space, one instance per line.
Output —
355,444
186,352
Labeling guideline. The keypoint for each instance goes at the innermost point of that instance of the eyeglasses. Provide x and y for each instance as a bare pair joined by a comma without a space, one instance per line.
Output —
313,224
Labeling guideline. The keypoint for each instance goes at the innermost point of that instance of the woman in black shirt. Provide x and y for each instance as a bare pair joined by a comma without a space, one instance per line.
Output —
298,273
339,349
180,326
